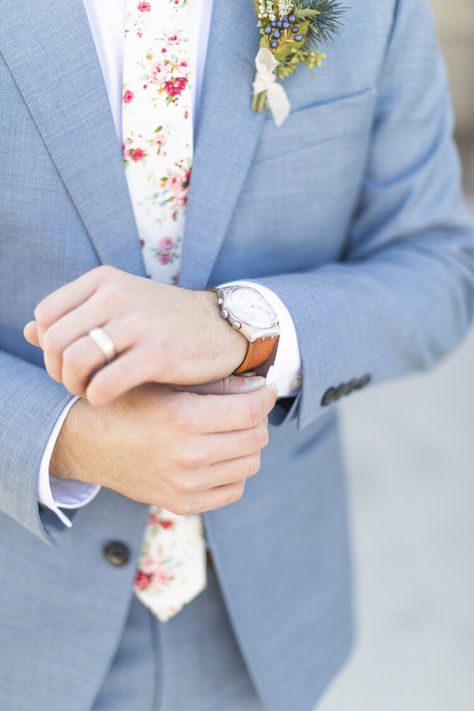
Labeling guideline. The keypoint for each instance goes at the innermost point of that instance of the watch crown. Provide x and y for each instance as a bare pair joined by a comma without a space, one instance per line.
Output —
220,301
225,313
237,325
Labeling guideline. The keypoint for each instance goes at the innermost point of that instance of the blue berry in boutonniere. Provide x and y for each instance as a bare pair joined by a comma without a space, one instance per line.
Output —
291,31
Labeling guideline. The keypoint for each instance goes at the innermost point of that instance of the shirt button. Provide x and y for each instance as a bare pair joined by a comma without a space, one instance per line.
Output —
117,553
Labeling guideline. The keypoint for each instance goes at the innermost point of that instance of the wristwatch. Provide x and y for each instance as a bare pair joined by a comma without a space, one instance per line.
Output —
250,313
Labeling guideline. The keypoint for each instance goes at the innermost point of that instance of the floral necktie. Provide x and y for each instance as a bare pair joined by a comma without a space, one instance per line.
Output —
158,151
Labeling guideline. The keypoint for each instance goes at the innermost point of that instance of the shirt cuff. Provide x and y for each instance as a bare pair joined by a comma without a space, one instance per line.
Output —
285,372
54,492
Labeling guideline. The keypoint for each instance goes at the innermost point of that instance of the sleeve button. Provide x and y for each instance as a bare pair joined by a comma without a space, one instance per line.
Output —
116,553
351,386
329,397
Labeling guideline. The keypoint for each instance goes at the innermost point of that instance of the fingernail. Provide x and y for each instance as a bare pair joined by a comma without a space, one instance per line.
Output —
26,328
255,382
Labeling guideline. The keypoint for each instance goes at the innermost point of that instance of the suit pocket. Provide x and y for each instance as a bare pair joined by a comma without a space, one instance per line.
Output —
316,124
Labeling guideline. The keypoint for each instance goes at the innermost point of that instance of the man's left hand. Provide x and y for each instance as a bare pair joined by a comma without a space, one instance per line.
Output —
161,333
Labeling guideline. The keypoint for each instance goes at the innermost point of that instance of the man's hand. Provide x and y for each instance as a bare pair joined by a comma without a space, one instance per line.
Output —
185,452
162,334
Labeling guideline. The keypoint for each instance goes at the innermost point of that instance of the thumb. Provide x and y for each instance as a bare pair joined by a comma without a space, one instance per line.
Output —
232,385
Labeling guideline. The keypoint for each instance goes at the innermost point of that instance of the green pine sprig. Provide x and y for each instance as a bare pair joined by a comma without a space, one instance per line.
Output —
324,17
318,22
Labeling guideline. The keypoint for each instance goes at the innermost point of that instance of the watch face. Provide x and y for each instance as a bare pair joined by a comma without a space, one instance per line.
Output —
249,306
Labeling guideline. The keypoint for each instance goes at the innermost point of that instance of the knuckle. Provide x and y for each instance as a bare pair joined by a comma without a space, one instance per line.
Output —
189,457
253,465
100,391
182,485
110,293
261,437
71,358
179,488
184,506
198,457
270,399
190,482
182,415
255,413
185,459
239,491
51,341
104,271
41,312
236,493
138,321
174,507
52,372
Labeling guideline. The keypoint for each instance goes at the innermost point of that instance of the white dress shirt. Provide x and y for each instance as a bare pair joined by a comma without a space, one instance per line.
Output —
106,18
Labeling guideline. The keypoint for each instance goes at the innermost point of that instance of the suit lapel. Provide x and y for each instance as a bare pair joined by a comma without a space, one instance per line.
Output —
226,138
51,54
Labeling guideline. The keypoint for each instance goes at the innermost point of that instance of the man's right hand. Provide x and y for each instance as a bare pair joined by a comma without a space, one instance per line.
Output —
183,451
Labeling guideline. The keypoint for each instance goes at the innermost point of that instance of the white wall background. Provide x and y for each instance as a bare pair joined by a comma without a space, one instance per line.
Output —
410,454
456,29
410,451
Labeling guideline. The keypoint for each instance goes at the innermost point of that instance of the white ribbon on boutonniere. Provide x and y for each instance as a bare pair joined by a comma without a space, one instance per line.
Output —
265,81
290,32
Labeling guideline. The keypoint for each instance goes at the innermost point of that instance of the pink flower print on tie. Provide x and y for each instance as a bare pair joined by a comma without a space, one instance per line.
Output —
166,252
159,73
170,193
175,87
159,140
158,154
172,567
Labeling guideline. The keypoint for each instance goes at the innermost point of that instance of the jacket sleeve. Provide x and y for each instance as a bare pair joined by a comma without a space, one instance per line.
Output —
402,296
30,404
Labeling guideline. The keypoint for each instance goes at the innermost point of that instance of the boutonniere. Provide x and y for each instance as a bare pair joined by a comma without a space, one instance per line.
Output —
291,31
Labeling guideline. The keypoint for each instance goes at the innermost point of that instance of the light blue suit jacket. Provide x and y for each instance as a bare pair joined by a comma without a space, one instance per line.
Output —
351,212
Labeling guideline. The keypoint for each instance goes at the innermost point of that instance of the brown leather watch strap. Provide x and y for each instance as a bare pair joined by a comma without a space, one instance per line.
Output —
258,353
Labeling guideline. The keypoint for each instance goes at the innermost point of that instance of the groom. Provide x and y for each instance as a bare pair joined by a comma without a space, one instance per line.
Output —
343,256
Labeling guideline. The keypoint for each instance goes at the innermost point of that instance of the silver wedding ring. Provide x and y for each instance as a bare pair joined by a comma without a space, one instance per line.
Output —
104,343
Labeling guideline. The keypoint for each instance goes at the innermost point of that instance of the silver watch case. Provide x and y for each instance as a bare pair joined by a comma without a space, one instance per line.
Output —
251,332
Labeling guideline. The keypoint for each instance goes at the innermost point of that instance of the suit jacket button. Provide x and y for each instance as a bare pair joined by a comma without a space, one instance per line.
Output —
329,397
117,553
351,386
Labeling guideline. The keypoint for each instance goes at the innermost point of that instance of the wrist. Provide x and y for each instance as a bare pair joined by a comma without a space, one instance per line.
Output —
227,346
65,461
249,312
